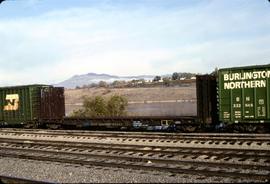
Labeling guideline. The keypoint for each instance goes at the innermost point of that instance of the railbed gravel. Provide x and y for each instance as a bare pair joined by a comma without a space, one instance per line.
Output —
71,173
139,141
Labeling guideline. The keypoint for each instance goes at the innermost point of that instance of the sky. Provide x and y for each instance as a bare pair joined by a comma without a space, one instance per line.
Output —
49,41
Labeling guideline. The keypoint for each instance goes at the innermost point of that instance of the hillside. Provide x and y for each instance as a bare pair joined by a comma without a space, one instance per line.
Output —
90,78
142,101
93,78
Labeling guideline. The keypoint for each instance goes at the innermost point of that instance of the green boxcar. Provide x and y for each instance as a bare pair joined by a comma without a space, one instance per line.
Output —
20,104
244,94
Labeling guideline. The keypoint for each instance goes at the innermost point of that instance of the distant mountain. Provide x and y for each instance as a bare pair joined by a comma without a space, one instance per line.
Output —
85,79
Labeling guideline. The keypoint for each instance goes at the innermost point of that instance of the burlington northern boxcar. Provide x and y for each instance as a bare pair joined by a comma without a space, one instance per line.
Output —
244,96
31,104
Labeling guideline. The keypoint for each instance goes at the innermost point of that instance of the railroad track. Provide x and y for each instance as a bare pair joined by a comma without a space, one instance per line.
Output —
235,141
11,180
97,147
208,161
130,134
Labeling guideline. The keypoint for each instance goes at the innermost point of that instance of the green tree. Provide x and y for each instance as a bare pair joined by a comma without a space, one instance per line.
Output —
175,76
102,84
78,113
157,78
118,83
166,81
94,107
98,106
116,105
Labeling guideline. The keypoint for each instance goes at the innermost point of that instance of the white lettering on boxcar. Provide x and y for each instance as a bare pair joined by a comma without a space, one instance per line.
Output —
12,102
245,84
246,75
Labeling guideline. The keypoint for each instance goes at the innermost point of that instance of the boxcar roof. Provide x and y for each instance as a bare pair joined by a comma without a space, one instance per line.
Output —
247,67
26,86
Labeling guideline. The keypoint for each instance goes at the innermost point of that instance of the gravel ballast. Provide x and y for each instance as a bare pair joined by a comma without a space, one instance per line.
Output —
70,173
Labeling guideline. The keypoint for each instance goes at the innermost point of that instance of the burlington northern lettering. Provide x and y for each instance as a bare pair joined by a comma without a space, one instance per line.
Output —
256,79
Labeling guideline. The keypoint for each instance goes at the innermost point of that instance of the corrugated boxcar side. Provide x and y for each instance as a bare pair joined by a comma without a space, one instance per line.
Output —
206,86
244,94
52,103
19,104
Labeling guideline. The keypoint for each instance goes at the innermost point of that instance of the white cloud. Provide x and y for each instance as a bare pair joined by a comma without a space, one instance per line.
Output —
51,47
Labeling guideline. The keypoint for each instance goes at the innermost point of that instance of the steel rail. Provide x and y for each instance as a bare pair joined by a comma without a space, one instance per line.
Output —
244,154
166,134
139,159
12,180
137,165
150,136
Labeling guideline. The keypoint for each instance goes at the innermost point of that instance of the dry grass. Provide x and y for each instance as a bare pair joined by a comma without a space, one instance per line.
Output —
134,95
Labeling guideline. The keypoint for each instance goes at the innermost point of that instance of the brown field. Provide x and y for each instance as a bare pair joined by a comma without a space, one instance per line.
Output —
142,101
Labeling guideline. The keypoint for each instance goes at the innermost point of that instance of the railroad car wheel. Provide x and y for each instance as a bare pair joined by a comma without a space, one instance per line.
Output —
245,128
30,125
189,128
53,126
262,128
249,128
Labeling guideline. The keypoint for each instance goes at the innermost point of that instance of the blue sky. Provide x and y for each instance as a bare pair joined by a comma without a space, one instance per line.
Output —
48,41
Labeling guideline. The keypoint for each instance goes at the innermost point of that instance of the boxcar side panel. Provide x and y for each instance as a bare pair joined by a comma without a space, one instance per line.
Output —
244,94
15,104
19,104
52,103
206,86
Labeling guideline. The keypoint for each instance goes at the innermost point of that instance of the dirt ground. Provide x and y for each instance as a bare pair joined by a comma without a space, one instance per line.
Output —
142,101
